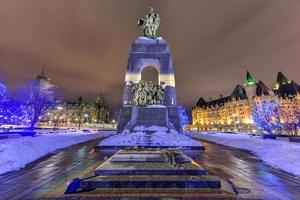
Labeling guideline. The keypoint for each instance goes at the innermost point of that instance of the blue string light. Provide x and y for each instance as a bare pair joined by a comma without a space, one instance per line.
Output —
266,116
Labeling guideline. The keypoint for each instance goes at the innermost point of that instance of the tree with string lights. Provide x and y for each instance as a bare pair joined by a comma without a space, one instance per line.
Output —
11,112
290,115
183,116
266,115
36,97
3,104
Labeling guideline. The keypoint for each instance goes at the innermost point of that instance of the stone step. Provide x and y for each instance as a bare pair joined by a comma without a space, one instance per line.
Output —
151,172
141,181
150,162
177,171
161,193
100,146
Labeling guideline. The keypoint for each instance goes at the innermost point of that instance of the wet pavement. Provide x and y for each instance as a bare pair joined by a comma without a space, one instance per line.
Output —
47,177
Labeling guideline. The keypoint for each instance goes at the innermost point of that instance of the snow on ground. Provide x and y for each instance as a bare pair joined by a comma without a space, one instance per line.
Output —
151,128
279,154
150,136
15,153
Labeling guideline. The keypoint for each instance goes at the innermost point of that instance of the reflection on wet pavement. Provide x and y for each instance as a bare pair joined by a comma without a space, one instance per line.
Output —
47,177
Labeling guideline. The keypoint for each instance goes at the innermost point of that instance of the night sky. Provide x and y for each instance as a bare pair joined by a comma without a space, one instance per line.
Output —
85,44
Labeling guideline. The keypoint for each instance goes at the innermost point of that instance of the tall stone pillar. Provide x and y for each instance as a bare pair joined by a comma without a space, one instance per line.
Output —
146,52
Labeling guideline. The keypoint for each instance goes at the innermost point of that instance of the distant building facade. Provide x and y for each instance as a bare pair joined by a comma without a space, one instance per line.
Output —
77,113
73,114
235,112
44,82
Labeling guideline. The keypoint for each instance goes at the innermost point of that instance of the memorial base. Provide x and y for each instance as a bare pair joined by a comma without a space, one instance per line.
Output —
155,115
150,137
150,116
150,169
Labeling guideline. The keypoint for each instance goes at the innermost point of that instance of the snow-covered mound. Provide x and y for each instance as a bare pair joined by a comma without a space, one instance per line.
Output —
15,153
279,154
150,137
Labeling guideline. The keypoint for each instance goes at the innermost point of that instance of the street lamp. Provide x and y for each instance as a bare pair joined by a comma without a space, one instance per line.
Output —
234,120
113,122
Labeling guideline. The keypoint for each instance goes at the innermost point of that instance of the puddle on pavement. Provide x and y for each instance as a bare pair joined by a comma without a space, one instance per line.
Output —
243,190
218,172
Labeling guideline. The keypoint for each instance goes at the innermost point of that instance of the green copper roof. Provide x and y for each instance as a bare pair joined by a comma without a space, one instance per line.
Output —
239,93
282,79
250,79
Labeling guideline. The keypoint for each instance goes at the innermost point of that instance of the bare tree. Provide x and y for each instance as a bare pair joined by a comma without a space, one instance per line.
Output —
61,110
37,97
79,113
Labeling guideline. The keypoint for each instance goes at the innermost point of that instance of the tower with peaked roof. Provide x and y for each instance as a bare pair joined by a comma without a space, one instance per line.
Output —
250,85
249,79
285,87
255,89
41,76
44,81
282,79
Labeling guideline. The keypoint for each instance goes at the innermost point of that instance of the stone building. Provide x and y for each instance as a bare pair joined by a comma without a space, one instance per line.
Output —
234,112
77,113
45,82
288,92
73,114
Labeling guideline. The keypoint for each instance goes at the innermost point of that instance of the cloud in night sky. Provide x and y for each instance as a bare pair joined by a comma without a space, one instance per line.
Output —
85,44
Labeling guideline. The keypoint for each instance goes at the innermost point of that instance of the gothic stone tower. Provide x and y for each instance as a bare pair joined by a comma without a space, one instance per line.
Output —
146,52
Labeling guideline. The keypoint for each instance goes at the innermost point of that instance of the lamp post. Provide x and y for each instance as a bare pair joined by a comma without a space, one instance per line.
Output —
234,120
113,122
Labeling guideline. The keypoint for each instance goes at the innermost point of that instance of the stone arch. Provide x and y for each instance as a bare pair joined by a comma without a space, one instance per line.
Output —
155,53
150,74
166,73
